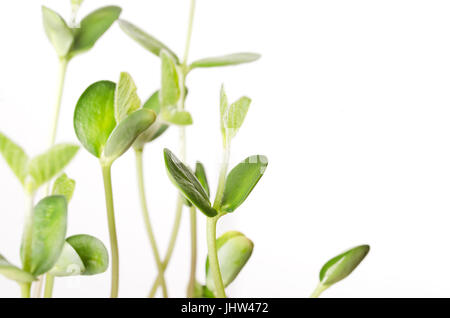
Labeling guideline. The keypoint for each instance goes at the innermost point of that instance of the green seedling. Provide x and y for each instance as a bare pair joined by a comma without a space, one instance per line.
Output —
107,122
339,267
232,190
169,103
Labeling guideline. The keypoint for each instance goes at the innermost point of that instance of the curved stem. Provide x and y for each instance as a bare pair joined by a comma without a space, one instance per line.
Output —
173,239
192,279
106,171
146,217
49,282
189,33
318,291
213,258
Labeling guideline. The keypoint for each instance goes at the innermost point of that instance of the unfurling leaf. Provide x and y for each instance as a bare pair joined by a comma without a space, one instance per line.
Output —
170,92
82,255
65,186
183,178
92,27
226,60
126,98
126,132
236,115
342,265
15,157
44,167
176,117
69,263
200,173
233,250
92,252
48,234
146,40
59,34
241,180
94,116
12,272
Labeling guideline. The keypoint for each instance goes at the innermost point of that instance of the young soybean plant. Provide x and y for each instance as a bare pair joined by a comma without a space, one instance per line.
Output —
339,267
232,190
45,223
107,121
172,105
70,40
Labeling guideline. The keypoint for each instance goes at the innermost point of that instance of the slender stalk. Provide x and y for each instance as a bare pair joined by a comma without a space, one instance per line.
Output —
213,258
173,239
318,291
192,279
49,282
57,108
147,223
26,290
106,171
182,154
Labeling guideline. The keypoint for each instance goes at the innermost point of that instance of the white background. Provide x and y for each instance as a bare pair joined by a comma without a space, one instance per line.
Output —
350,104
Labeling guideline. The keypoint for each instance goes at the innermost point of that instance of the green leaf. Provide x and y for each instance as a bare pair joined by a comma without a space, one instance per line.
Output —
234,250
152,103
223,113
44,167
92,27
69,263
48,234
92,252
236,115
183,178
241,181
15,157
59,34
13,272
342,265
170,92
126,98
123,136
94,116
65,186
200,173
177,117
146,40
226,60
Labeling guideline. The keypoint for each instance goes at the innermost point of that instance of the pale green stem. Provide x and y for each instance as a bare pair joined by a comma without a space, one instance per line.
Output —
49,282
27,241
173,239
182,154
146,217
192,279
213,258
211,227
318,291
106,171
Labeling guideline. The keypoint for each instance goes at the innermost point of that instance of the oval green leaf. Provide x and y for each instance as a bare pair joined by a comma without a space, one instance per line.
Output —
15,157
44,167
92,27
170,92
92,252
236,115
126,133
126,97
65,186
94,116
241,181
226,60
183,178
48,234
59,34
200,173
69,263
12,272
145,40
342,265
234,250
